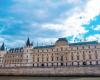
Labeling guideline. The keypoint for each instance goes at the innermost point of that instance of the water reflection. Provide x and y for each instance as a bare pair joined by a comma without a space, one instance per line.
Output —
47,78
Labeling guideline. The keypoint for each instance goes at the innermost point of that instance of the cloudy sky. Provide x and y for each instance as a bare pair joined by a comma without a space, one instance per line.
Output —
46,20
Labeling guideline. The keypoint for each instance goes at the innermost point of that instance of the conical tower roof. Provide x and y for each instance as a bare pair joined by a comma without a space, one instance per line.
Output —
28,43
2,47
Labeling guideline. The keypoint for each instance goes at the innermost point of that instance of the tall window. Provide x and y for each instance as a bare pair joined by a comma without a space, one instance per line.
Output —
27,50
83,55
51,58
61,58
38,59
77,57
66,58
61,49
72,56
77,47
42,57
52,49
57,49
57,58
47,58
96,55
38,50
89,56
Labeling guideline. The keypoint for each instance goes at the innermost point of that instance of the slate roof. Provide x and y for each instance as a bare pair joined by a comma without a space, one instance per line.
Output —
84,43
48,46
70,44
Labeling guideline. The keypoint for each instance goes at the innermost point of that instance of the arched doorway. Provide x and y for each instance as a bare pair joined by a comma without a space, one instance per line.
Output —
62,64
42,65
84,63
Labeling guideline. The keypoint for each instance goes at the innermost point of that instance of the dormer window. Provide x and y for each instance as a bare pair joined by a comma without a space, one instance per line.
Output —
61,48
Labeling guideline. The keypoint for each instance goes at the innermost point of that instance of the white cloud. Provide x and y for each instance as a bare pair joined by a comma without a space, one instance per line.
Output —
40,41
15,43
79,16
1,40
70,25
95,37
97,28
91,10
40,13
74,1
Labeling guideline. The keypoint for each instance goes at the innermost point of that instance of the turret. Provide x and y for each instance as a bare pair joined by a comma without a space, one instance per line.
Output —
28,43
2,47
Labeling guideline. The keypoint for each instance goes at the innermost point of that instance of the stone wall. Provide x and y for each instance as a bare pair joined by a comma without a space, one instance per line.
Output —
61,71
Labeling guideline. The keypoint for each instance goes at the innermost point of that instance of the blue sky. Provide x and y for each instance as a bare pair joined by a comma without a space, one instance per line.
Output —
46,20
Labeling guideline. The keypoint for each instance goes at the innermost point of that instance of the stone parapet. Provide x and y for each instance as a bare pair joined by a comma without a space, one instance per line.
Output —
61,71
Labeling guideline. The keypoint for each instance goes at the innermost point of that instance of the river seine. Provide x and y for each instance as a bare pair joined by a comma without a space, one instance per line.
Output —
48,78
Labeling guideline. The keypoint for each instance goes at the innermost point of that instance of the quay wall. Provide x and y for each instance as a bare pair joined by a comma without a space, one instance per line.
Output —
61,71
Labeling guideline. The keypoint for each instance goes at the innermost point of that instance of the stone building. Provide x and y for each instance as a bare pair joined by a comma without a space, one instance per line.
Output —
61,54
2,54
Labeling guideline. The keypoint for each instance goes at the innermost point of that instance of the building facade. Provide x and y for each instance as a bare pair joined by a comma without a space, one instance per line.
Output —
62,54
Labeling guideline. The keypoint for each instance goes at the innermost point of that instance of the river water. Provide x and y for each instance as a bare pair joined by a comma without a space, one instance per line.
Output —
49,78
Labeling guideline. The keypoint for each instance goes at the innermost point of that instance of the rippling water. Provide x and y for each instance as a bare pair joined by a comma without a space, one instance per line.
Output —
48,78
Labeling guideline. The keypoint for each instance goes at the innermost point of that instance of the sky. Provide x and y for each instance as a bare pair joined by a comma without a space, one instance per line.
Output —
44,21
